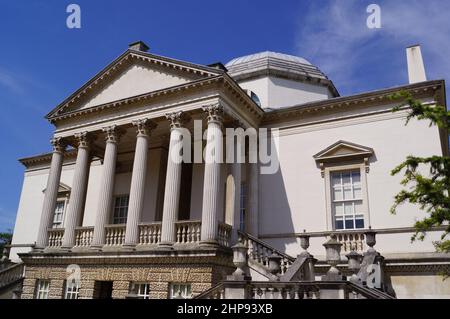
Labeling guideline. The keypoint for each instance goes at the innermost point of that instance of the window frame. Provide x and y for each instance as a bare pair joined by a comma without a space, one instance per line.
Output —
171,290
72,292
135,287
330,218
45,290
114,209
63,217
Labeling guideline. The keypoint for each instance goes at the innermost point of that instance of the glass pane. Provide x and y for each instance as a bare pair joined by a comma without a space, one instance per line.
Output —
349,223
346,179
348,208
339,224
358,207
337,194
335,179
359,223
357,192
339,209
348,194
356,177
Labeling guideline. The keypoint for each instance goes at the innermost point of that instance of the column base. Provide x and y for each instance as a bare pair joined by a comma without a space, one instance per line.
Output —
66,249
38,249
129,247
210,243
166,245
96,247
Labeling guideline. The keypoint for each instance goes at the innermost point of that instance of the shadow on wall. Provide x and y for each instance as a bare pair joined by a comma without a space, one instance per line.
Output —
275,214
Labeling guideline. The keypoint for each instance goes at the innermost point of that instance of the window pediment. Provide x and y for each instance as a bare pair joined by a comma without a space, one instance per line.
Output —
343,150
63,189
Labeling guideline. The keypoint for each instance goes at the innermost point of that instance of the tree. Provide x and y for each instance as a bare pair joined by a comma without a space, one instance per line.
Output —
5,239
431,191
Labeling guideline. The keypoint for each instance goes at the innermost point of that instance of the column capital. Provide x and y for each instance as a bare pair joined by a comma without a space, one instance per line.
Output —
58,144
144,126
113,133
214,113
84,139
177,119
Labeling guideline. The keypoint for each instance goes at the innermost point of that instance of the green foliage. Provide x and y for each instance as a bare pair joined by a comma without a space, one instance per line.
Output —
429,191
5,239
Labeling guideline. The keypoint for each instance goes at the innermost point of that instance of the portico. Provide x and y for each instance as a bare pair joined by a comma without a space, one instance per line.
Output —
170,231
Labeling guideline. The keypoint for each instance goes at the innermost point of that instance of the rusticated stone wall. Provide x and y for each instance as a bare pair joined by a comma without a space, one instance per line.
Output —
159,277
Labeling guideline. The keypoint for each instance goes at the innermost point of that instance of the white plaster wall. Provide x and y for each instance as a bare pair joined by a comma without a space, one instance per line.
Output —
284,92
274,92
293,199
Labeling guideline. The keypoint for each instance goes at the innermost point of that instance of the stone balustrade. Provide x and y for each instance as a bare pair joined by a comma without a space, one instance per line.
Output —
259,252
55,237
149,233
83,236
224,234
115,235
11,274
188,232
290,290
351,241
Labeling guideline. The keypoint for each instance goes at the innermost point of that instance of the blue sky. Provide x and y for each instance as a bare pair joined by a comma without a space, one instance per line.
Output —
42,61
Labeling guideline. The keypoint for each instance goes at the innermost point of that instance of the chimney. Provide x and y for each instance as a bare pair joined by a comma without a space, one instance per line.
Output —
416,69
138,46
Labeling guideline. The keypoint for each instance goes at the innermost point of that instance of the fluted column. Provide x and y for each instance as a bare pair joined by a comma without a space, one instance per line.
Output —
51,192
137,189
212,178
235,199
105,203
173,180
79,187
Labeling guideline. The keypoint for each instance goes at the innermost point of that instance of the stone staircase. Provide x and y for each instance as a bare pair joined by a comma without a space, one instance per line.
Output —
292,278
11,275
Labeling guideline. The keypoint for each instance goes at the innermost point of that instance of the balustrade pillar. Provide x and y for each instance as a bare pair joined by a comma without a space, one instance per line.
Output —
137,189
79,188
212,178
173,180
106,185
51,192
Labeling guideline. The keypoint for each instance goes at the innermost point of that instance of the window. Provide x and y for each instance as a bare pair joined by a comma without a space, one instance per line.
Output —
120,209
347,200
58,217
243,208
42,288
180,291
141,289
72,290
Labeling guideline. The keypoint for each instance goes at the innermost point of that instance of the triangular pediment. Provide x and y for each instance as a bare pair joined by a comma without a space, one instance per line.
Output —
62,189
343,149
132,74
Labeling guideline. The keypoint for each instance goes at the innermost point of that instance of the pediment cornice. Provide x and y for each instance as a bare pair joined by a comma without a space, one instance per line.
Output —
429,88
343,150
121,63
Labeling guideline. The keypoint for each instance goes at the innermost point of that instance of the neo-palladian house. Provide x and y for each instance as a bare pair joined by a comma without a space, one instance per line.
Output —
116,211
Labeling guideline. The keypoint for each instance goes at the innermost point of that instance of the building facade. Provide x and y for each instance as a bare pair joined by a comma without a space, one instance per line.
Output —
115,210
